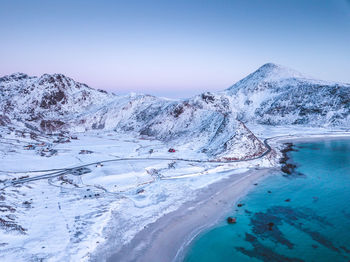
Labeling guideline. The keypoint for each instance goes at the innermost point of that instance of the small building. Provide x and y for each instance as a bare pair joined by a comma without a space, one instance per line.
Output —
29,147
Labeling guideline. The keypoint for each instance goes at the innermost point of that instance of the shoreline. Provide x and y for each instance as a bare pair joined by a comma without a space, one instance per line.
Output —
308,138
181,226
256,177
210,205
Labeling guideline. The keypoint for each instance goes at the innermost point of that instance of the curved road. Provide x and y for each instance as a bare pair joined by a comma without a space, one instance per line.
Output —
80,170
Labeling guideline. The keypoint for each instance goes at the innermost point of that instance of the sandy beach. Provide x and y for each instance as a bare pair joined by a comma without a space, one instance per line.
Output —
167,238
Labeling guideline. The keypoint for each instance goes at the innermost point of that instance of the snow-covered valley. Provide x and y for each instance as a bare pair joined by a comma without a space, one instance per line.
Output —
62,212
78,164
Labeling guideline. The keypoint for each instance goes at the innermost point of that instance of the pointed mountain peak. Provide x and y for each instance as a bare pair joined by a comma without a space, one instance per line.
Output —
53,77
271,71
59,81
270,66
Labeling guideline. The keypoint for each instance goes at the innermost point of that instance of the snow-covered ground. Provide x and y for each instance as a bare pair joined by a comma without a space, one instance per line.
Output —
64,215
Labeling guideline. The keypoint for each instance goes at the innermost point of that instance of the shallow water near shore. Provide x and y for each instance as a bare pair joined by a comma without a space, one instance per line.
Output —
304,216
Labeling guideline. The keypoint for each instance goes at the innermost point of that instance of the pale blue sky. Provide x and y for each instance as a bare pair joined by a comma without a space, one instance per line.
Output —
173,48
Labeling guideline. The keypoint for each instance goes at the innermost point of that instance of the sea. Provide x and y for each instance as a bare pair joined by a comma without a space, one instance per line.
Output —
301,216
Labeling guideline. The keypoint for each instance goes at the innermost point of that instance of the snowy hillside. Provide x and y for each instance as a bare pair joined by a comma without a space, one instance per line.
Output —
46,102
209,123
54,103
204,122
276,95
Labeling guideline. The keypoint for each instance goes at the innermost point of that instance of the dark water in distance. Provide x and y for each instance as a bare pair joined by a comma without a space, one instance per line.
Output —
301,217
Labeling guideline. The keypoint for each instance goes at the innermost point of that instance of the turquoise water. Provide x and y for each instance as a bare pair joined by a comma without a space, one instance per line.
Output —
304,216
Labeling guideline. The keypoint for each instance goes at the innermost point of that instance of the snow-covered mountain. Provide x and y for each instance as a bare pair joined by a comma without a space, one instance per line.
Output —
277,95
46,102
201,122
52,103
210,123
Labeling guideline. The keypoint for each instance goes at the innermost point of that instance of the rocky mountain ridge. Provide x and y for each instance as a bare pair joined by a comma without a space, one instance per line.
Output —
210,122
275,95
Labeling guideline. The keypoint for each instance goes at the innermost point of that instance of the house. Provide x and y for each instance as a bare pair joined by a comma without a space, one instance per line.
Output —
29,147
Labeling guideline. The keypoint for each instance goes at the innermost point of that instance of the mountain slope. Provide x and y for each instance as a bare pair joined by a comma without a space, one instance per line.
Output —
47,101
53,103
204,123
277,95
210,123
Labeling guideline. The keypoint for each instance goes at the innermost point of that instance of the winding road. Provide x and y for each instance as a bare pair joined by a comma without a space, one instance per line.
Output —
82,169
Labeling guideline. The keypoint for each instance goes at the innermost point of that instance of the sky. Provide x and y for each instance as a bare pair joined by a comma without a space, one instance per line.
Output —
173,48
